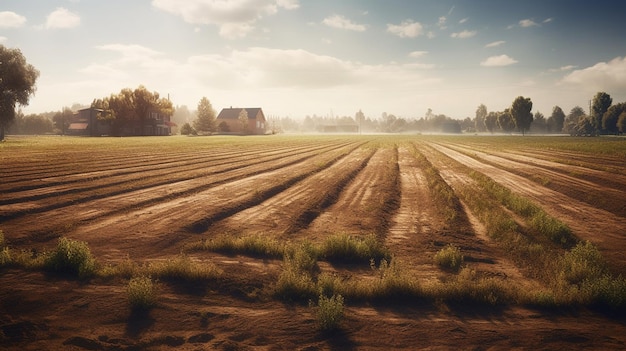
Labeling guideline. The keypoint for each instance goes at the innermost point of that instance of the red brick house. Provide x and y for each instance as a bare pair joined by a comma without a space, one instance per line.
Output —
228,121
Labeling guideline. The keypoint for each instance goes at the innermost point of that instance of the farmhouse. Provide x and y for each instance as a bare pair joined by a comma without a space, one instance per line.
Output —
86,122
229,121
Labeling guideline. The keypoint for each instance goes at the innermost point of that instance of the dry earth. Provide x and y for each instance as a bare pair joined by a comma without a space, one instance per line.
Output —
147,202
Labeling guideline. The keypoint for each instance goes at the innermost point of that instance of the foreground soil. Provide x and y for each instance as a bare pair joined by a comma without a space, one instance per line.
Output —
148,201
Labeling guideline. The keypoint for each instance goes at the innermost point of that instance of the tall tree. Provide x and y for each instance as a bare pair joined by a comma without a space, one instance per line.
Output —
609,120
491,121
243,120
572,119
520,111
556,120
17,83
359,117
621,122
601,103
481,114
205,120
539,123
506,122
62,119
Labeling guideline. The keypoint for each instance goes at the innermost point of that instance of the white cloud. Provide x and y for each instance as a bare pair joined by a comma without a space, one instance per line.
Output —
548,20
10,19
62,18
464,34
463,20
338,21
406,29
603,76
417,54
235,19
527,23
498,61
442,22
3,39
495,43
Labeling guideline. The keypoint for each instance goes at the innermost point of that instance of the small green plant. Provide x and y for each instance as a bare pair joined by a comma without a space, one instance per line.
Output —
5,254
142,293
346,248
71,257
329,311
183,268
449,257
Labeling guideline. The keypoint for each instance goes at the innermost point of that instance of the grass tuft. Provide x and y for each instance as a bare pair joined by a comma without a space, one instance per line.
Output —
142,293
183,268
71,257
329,311
349,249
449,257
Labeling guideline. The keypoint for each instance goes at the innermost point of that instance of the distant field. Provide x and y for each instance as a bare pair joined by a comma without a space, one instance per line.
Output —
526,214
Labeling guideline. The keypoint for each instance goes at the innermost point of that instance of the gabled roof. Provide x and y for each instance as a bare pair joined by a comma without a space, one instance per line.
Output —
233,113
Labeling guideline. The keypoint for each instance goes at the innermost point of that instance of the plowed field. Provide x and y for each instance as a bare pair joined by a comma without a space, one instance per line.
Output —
149,199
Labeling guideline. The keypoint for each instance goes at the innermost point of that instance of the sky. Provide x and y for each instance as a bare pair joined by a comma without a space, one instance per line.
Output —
295,58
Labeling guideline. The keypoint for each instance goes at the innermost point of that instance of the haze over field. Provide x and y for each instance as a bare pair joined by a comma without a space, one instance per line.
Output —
296,58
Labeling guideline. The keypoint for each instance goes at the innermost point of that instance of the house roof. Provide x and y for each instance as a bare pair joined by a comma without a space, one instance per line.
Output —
233,113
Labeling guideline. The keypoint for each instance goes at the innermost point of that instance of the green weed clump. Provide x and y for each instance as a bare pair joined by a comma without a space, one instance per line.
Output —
449,257
71,257
295,282
329,311
255,245
183,268
469,288
346,248
142,293
5,254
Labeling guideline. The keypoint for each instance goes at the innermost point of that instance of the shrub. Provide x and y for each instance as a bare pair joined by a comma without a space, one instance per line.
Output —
449,257
329,312
5,255
295,281
583,262
255,245
183,268
71,257
346,248
142,293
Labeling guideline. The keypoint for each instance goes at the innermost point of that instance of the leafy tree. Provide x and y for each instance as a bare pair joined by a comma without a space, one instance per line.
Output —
359,117
187,129
481,114
556,120
205,120
243,120
506,121
223,127
520,111
132,108
539,123
569,126
62,119
611,116
621,122
17,83
601,103
585,127
491,121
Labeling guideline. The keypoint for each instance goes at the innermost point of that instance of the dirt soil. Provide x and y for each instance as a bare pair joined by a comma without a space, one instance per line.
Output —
148,207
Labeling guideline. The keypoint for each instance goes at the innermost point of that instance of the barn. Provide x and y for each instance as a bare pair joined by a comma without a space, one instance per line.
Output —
229,121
